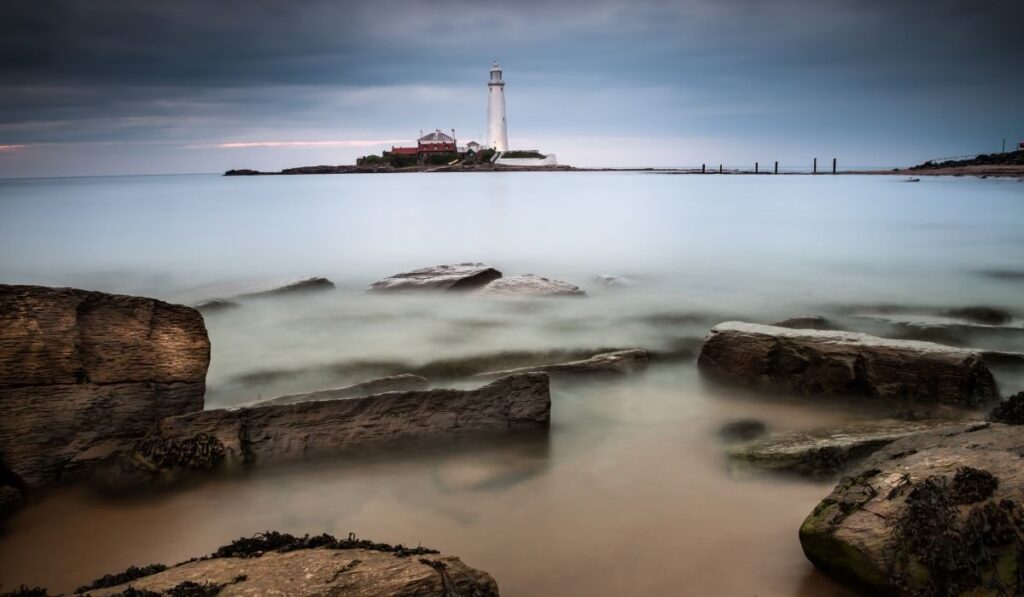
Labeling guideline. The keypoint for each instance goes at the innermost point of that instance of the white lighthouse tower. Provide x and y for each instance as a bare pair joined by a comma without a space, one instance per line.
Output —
497,131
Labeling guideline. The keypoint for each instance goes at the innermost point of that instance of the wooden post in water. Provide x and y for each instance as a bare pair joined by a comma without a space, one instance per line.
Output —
833,165
755,167
702,168
815,166
776,166
719,168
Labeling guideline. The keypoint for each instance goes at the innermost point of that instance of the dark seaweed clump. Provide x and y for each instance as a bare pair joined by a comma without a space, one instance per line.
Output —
958,557
201,452
182,589
1009,411
129,574
260,543
972,485
25,591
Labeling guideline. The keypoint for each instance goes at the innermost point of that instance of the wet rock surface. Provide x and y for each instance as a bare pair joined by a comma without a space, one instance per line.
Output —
1009,411
264,434
458,277
84,375
530,285
280,564
620,362
936,513
814,362
394,383
826,452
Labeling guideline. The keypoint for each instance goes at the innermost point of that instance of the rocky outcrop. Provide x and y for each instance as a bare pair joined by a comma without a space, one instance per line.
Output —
1009,411
814,362
394,383
620,362
981,314
937,513
86,374
530,285
458,277
263,434
303,285
274,563
825,452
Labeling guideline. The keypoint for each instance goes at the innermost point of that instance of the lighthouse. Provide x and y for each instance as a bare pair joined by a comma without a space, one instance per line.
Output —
497,131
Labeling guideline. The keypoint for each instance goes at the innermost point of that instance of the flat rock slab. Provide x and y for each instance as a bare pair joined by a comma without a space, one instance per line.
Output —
816,362
461,276
85,374
394,383
530,285
620,362
858,533
294,431
825,452
323,572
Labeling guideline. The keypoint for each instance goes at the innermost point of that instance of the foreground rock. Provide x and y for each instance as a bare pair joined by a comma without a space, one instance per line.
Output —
937,513
280,564
810,362
85,374
461,276
620,362
826,452
394,383
215,439
530,285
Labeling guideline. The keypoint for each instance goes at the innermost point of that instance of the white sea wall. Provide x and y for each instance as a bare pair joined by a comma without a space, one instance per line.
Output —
548,160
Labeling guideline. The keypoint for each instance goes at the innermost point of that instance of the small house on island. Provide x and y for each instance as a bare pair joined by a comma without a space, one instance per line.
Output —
431,143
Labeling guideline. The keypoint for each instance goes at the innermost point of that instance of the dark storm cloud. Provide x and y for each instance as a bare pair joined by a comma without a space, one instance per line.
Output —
195,71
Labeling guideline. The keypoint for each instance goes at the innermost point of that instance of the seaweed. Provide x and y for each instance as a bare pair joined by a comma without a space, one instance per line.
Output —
972,485
955,557
260,543
25,591
129,574
200,452
1009,411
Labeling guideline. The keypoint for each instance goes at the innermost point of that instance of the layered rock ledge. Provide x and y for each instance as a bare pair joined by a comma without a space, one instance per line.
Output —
816,362
85,374
230,438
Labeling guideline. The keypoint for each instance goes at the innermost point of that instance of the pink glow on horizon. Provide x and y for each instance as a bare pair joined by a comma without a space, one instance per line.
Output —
250,144
12,147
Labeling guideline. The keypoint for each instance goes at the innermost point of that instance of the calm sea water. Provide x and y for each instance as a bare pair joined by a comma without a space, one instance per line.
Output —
629,493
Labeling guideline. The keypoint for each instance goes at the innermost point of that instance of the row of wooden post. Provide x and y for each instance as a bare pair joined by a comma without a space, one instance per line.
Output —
757,166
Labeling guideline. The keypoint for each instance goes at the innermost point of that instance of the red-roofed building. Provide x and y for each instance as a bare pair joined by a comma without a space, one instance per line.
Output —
431,143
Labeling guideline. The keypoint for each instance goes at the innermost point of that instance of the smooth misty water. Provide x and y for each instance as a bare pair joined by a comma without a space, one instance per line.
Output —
629,493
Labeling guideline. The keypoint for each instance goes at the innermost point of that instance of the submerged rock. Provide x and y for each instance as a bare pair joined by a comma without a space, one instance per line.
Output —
215,305
985,315
616,281
461,276
280,564
263,434
84,375
618,363
814,362
825,452
742,430
303,285
530,285
805,322
936,513
394,383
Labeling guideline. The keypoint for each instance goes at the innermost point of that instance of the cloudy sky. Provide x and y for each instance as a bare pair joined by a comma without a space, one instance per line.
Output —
118,87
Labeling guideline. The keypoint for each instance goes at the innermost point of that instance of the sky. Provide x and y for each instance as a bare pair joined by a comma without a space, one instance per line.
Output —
99,87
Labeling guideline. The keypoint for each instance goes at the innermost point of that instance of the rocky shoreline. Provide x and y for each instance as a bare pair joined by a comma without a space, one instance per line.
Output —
111,388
